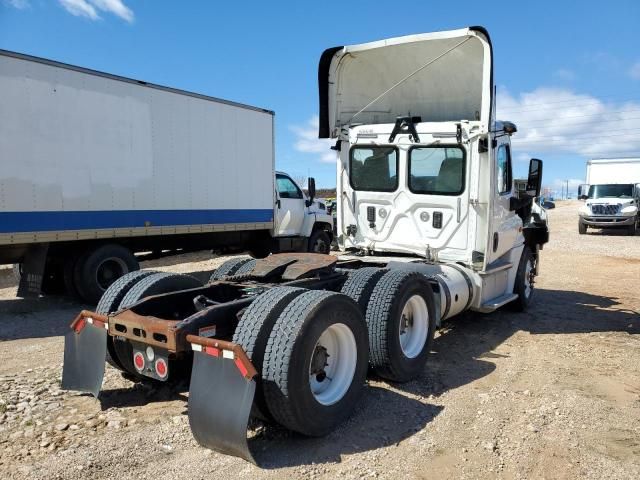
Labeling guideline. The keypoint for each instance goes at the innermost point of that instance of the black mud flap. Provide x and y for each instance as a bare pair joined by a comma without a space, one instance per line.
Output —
220,396
85,349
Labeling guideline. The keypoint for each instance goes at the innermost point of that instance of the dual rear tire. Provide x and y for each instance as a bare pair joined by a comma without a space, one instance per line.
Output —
312,348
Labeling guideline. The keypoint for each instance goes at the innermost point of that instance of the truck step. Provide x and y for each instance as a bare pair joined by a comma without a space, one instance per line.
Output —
495,303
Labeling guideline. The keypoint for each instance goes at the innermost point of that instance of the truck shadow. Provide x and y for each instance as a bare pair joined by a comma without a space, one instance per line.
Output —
368,429
462,351
142,393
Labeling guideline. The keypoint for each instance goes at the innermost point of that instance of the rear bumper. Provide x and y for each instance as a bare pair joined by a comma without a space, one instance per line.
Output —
607,221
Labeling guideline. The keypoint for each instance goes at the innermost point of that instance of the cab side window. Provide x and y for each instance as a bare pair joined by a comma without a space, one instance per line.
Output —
286,187
503,169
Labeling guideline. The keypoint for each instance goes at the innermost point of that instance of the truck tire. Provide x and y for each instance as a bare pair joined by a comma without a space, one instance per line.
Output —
113,296
631,230
154,284
323,331
582,228
99,267
320,242
246,268
360,283
228,268
158,283
254,328
401,320
110,302
523,285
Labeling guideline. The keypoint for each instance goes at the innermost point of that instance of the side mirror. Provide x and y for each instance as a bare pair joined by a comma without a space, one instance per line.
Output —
311,186
583,191
534,181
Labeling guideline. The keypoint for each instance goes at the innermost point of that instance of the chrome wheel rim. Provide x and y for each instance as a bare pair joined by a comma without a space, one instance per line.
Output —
528,279
333,364
414,326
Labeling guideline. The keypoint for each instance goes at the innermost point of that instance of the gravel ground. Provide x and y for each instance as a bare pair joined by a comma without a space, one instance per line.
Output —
551,393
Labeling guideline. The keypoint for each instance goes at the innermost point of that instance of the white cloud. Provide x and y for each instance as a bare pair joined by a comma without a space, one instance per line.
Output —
19,4
561,121
80,8
308,142
634,71
89,8
115,7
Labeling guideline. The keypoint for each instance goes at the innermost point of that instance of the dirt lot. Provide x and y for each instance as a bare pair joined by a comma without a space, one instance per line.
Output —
552,393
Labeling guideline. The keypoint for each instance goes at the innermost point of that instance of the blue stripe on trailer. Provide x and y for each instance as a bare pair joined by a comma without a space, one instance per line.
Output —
19,222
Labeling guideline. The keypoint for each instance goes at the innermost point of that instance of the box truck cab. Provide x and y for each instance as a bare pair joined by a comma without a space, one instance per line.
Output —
302,222
611,194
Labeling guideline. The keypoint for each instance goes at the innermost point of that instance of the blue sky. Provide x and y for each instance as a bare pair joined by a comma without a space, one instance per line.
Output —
567,72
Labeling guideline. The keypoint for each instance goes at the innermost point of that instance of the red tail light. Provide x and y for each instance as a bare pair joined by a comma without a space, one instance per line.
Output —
161,368
138,361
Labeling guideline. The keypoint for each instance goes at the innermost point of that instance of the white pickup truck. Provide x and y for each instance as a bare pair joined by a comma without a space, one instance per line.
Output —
611,194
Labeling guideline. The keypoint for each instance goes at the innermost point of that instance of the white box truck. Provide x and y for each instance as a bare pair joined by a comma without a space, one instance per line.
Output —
429,222
96,167
612,194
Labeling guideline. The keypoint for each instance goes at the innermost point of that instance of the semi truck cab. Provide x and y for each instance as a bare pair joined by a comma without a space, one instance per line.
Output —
424,168
429,224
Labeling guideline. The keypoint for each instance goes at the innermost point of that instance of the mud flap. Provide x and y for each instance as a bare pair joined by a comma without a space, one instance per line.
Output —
220,396
85,349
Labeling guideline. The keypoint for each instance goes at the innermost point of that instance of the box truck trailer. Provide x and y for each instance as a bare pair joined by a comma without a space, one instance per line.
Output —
429,225
96,167
611,194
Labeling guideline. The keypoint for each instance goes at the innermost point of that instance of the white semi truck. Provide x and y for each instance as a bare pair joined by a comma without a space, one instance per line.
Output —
611,194
429,225
96,167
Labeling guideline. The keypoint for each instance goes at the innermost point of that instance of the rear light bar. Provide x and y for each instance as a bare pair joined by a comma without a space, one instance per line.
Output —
225,350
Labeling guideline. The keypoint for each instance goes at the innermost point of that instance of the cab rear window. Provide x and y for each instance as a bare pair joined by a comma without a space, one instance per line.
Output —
437,170
373,168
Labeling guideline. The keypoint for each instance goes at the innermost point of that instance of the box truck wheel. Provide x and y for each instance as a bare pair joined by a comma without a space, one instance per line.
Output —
315,362
320,242
110,302
523,285
360,283
254,328
401,321
99,267
230,267
582,228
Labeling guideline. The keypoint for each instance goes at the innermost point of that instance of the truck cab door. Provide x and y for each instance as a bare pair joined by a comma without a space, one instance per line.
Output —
290,207
505,226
